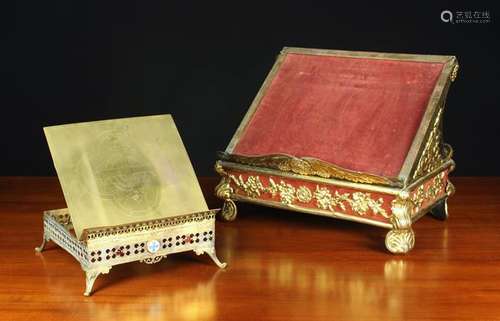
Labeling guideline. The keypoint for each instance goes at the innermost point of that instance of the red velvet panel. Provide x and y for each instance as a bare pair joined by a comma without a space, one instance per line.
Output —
360,114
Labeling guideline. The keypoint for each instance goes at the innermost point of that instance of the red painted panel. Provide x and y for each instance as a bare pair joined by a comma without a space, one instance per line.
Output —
313,187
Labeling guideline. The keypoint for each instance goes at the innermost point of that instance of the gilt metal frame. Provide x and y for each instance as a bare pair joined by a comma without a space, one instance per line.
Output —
148,242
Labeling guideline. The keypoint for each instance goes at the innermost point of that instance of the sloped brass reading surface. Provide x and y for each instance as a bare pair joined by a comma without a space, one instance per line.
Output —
123,171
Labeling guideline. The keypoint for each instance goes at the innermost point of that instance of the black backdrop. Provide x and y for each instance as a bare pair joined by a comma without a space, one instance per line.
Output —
70,61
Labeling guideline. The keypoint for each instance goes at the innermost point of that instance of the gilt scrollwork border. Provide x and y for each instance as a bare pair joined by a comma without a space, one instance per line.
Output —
360,203
428,192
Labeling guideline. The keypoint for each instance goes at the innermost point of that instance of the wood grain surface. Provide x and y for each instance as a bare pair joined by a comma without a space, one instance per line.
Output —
282,266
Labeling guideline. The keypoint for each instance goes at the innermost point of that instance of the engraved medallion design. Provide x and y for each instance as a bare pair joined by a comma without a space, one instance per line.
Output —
124,175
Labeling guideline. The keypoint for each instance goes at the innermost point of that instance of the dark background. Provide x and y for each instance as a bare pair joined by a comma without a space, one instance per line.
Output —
72,61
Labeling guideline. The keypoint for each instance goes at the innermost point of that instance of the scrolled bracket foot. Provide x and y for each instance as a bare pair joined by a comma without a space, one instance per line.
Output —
211,253
90,277
223,190
216,260
440,210
42,246
229,211
401,239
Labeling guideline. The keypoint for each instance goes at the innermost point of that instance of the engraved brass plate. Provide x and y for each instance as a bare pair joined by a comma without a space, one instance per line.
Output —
123,171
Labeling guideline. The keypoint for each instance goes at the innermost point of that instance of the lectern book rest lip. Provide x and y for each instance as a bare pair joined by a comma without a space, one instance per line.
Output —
346,134
131,194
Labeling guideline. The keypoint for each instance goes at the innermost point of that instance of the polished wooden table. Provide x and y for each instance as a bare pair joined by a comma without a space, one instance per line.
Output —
282,266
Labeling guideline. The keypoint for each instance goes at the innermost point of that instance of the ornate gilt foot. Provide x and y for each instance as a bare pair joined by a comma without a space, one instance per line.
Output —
401,238
212,255
224,191
440,210
216,260
42,246
229,211
90,277
400,241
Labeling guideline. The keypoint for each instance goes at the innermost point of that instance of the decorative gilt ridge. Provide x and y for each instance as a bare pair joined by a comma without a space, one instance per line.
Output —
94,233
454,72
435,152
309,167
